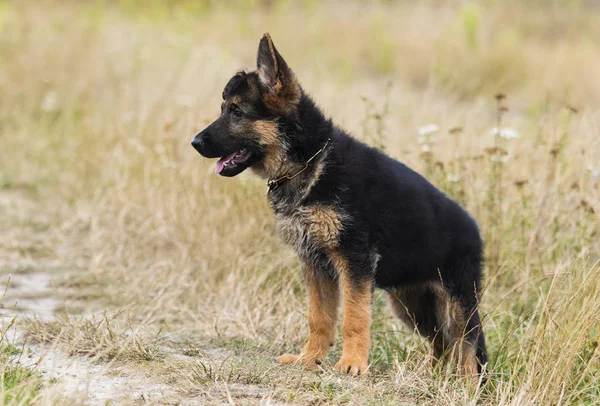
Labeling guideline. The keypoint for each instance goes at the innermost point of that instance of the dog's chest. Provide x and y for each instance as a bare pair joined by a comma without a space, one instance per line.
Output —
309,228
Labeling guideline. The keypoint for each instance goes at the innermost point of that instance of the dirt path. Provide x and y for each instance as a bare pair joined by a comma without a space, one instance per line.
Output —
26,273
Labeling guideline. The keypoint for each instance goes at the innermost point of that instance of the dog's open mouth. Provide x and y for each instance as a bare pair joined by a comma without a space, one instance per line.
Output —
234,163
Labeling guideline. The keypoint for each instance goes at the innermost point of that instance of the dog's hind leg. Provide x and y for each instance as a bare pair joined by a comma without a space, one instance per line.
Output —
462,334
416,305
323,300
474,354
453,328
463,289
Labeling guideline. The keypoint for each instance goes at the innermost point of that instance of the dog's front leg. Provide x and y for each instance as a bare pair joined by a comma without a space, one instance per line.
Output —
323,300
357,292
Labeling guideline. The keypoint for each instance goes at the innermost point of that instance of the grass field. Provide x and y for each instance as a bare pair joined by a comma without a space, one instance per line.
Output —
165,270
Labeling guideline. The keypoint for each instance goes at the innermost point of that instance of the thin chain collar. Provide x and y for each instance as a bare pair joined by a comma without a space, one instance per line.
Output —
272,184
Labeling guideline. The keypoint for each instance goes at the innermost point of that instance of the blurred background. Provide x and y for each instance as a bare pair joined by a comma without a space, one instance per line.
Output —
496,102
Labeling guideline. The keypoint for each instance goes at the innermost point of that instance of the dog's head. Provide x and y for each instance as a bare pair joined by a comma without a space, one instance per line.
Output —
258,109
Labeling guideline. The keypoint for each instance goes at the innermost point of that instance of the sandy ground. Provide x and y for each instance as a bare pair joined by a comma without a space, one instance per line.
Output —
26,283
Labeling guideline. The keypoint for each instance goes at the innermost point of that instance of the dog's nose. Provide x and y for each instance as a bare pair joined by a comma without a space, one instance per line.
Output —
197,143
199,140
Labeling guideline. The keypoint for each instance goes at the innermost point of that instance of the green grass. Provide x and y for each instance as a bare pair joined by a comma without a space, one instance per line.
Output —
19,385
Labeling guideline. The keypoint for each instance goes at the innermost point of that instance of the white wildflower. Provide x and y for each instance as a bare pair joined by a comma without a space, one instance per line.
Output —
505,132
50,102
453,178
428,130
593,171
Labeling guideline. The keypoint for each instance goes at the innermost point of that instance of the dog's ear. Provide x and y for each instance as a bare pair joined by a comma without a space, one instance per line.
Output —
276,78
270,65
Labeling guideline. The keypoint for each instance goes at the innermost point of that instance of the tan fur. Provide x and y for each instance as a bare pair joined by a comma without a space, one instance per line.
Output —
275,161
323,300
267,130
454,322
467,361
462,351
311,227
357,319
325,225
286,100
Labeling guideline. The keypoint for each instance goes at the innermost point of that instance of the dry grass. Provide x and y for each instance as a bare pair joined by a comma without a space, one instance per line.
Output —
99,101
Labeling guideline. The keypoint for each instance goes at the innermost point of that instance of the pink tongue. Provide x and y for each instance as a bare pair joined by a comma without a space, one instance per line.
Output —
221,162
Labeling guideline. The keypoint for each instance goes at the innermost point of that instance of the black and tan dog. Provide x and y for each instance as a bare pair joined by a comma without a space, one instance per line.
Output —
357,218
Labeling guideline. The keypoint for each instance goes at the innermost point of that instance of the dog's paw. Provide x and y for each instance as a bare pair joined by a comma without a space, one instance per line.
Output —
352,365
288,359
302,359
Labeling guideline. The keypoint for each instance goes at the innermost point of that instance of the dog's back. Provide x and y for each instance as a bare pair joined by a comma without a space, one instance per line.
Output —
419,232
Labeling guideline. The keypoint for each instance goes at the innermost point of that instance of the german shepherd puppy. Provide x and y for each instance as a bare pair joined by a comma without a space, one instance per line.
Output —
357,219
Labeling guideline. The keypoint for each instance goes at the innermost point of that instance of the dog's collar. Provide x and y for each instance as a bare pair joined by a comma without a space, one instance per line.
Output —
274,183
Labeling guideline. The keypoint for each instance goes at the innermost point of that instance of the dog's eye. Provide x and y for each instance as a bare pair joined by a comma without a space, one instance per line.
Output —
235,110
